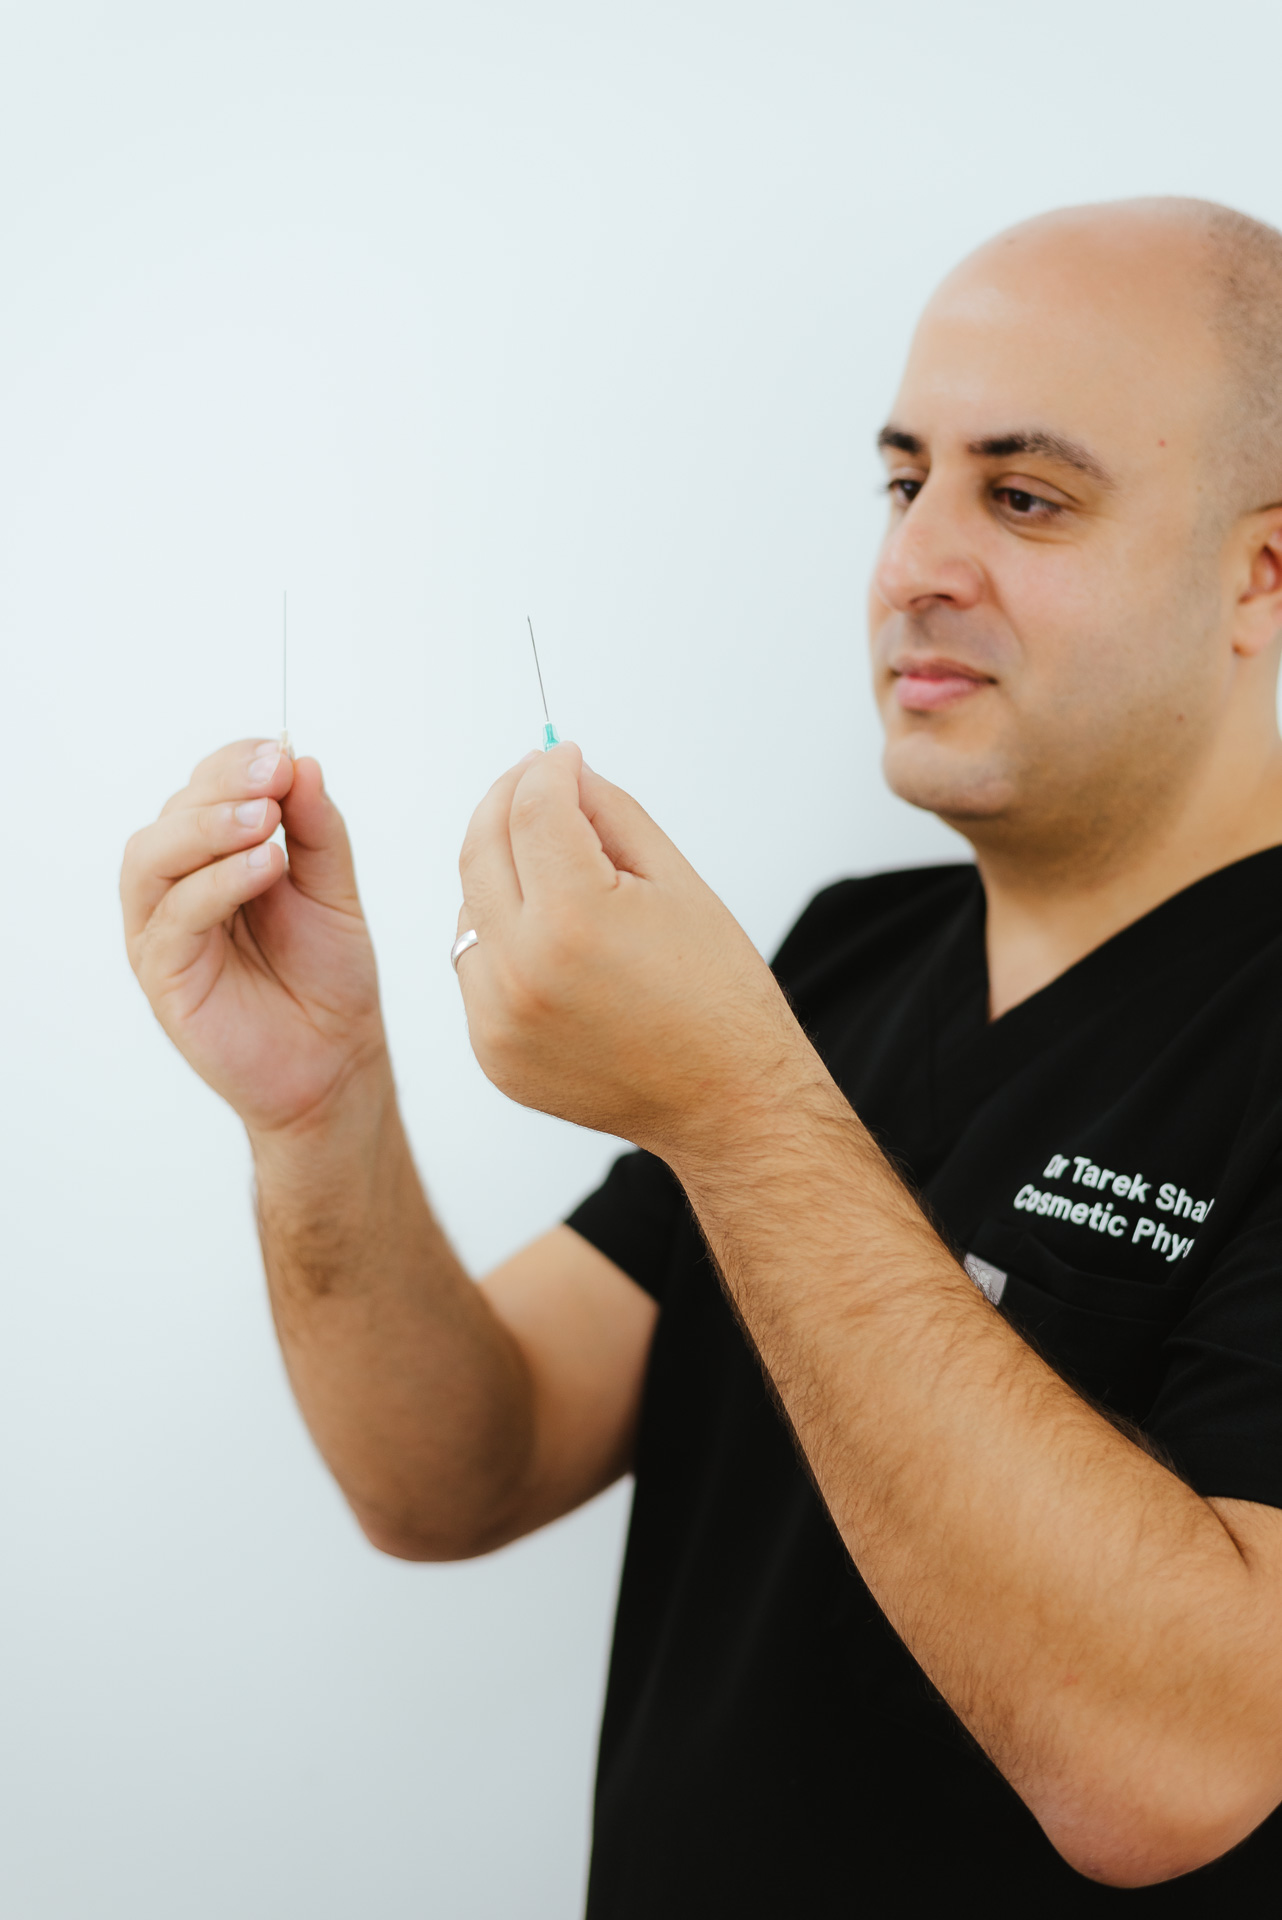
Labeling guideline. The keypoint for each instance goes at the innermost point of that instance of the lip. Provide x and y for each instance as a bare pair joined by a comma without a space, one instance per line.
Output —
924,686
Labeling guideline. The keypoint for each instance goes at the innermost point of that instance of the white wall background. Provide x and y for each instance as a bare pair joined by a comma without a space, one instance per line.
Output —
434,314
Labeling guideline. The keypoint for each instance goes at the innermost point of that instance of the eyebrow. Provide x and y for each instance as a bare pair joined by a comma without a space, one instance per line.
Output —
1052,446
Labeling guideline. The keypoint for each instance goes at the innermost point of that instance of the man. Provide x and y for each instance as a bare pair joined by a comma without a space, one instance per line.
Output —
956,1554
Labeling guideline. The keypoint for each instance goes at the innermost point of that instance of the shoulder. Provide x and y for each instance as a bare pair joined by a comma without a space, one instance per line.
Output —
881,910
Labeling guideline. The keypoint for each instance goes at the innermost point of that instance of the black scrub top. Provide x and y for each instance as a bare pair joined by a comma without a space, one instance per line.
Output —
1106,1157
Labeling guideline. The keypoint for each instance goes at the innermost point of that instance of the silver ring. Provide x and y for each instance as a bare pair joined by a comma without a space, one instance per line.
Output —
461,945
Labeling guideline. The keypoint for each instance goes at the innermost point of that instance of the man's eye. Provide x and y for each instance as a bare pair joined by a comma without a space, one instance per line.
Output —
904,492
1026,505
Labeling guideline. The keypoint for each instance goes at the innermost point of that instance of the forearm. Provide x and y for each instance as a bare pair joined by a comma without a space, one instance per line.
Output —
1021,1545
413,1390
1095,1622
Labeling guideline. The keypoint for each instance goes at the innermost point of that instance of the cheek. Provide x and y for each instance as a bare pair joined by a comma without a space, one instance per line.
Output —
1073,620
1108,652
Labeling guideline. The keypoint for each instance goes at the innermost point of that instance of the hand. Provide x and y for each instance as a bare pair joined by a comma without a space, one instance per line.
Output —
609,985
261,974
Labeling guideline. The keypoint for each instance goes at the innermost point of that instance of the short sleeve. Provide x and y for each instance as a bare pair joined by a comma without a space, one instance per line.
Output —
1219,1410
638,1217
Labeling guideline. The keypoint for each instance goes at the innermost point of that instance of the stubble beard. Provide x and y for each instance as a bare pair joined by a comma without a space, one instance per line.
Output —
1053,807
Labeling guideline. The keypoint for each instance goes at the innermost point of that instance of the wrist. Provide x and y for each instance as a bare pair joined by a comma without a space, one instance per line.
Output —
346,1131
329,1191
748,1120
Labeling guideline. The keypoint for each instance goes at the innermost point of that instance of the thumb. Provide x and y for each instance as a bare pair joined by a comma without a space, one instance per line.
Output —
554,848
320,853
631,839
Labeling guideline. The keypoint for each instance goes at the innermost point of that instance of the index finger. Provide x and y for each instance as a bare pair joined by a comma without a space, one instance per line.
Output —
246,768
491,889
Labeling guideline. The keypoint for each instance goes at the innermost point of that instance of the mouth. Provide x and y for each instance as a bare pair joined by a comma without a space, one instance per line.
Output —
924,686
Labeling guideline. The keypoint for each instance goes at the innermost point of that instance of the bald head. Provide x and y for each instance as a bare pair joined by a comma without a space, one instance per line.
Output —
1244,259
1186,266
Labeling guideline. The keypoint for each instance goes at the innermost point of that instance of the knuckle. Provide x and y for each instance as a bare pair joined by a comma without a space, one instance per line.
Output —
527,997
555,944
478,901
142,958
137,950
526,807
472,851
138,861
156,920
561,946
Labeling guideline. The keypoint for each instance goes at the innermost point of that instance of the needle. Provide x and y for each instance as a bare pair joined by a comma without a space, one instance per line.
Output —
549,731
286,745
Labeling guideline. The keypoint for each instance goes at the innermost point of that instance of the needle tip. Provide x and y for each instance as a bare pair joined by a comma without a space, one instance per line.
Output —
538,669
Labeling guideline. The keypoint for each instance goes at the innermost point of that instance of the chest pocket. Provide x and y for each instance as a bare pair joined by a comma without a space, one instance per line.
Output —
1104,1335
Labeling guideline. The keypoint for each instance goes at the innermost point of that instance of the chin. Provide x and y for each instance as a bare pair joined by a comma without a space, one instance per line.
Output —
958,787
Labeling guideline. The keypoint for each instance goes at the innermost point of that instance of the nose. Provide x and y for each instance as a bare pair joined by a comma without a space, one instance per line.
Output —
925,558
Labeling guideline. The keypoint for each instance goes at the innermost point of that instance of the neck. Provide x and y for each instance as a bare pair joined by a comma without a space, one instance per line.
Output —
1052,902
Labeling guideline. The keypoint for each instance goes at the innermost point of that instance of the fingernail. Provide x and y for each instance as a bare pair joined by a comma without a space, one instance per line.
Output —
259,856
263,765
251,813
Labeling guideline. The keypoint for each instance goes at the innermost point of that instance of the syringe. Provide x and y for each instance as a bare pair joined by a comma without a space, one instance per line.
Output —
549,731
286,744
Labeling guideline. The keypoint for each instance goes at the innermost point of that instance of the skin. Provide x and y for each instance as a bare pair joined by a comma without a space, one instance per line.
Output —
1088,694
1096,745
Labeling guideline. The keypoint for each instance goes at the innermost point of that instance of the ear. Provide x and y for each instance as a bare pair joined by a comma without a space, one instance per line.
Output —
1259,605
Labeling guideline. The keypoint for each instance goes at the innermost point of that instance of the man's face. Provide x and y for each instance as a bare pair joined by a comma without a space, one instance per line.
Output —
1047,613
